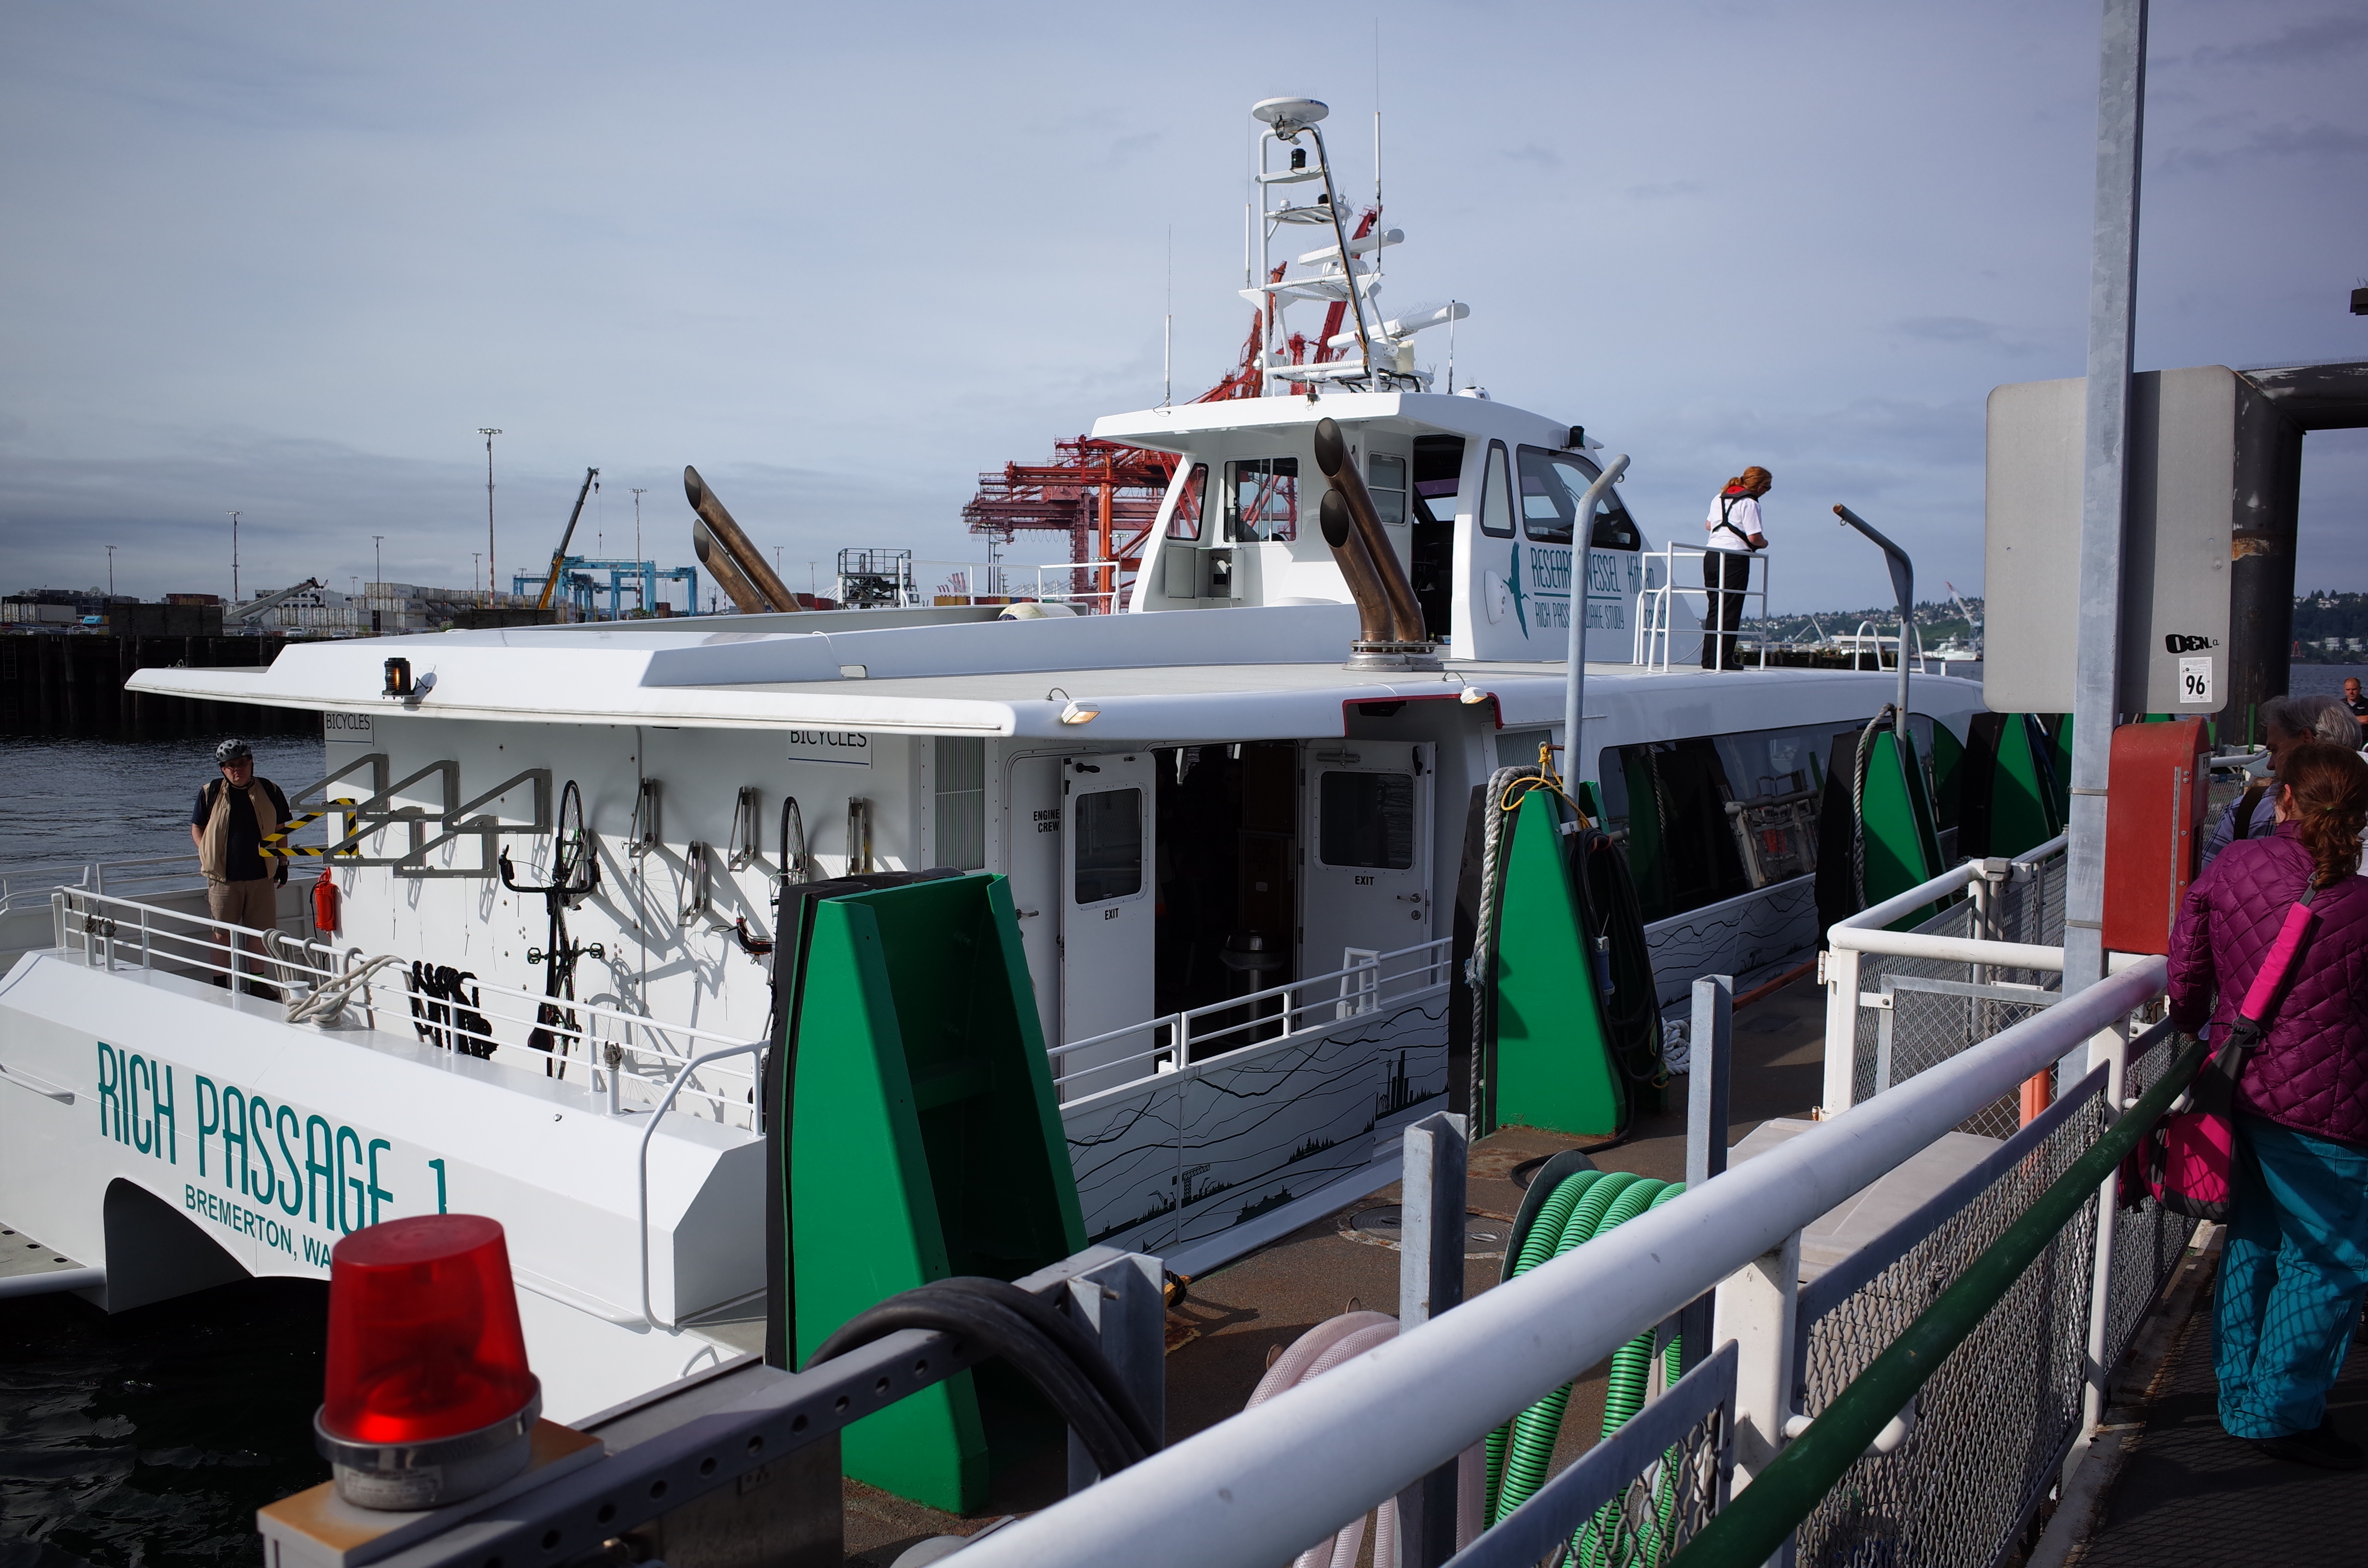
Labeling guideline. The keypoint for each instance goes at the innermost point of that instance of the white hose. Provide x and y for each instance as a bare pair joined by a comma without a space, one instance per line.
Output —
323,1003
1331,1344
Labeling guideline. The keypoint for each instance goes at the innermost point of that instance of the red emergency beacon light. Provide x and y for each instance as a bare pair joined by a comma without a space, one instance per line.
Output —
428,1396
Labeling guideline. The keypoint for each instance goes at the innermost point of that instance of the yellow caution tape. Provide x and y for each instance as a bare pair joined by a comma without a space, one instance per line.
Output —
276,843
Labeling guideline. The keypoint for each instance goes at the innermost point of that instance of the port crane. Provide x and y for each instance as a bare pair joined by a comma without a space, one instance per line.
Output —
1104,495
559,556
256,608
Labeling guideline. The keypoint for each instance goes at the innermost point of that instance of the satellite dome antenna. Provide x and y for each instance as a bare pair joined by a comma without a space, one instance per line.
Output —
1289,116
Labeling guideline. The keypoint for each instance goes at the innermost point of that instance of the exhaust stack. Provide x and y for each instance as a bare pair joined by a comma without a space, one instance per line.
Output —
1390,633
729,555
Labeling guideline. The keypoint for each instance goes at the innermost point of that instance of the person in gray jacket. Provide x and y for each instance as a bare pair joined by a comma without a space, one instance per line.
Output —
2286,722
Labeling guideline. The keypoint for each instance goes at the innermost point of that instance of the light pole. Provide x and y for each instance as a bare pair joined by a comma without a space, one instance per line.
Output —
637,524
110,571
474,556
489,432
378,566
233,558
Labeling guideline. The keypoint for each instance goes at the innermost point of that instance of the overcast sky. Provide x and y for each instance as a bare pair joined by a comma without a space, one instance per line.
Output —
287,259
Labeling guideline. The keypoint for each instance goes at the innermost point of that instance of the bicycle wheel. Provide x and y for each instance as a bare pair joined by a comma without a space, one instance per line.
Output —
573,866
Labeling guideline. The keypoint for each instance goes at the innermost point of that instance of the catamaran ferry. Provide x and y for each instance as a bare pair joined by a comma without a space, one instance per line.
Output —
1234,821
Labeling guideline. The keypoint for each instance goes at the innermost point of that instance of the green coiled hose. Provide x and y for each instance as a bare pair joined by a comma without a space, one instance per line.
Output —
1584,1206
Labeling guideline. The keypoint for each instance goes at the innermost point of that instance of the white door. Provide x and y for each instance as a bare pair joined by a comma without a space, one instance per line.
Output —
1367,845
1107,903
1029,811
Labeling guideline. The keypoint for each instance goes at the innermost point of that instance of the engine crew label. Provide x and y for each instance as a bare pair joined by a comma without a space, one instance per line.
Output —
277,1167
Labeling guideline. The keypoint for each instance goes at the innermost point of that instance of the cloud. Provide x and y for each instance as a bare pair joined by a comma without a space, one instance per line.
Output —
1662,192
1531,152
2309,43
2317,142
1960,330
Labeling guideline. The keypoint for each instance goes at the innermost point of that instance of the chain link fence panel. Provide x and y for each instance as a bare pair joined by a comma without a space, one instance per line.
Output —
1994,1423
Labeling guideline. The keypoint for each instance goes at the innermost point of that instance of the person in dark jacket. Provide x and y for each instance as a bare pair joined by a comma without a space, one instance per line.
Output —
234,815
2296,1268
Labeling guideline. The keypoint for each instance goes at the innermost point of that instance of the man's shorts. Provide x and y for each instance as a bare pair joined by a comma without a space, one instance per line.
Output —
254,903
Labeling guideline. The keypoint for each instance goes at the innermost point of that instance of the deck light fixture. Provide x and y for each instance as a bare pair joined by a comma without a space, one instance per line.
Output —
428,1398
1080,712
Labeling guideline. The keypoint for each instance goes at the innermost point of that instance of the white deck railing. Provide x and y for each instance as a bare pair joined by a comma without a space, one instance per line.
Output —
28,886
1655,605
1994,942
626,1061
1188,1040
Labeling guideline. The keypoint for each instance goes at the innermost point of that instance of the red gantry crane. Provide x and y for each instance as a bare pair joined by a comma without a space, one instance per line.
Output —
1105,494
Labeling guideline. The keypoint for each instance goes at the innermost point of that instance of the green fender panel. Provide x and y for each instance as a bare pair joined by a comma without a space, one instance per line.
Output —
1554,1063
1903,848
925,1141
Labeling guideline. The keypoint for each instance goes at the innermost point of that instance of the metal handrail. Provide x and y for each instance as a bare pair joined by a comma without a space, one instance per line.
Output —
101,927
1434,967
1654,603
693,1065
1865,935
1565,1314
91,874
1752,1527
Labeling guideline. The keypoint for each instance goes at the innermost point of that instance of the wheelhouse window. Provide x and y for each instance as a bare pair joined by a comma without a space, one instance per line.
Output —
1497,495
1385,477
1366,819
1552,485
1262,500
1109,845
1184,522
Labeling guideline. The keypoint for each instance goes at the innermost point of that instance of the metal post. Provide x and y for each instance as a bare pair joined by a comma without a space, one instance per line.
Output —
1758,1307
1710,1075
1903,587
2110,1046
1120,1307
1574,687
1840,967
2104,482
1430,1280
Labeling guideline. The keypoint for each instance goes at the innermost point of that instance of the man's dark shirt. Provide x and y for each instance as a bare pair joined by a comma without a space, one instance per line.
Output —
2359,705
243,854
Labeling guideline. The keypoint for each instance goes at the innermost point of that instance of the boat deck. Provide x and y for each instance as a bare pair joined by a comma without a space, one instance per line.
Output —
1221,1338
2175,1487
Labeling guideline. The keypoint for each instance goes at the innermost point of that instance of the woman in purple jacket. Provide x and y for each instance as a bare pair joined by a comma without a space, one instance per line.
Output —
2295,1266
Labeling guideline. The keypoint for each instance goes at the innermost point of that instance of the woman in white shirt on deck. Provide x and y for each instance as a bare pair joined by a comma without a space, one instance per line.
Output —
1734,536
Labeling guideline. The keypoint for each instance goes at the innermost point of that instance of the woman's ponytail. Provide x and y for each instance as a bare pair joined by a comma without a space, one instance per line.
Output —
2330,806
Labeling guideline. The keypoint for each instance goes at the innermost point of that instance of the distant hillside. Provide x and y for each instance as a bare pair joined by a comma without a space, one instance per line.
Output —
2328,628
1935,623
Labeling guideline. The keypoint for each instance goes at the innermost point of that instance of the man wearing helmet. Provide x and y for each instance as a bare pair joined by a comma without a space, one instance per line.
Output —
235,814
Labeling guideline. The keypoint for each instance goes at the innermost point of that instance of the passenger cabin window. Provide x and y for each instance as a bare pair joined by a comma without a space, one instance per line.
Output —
1367,818
1262,500
1385,477
1712,817
1553,484
1185,521
961,791
1497,495
1109,845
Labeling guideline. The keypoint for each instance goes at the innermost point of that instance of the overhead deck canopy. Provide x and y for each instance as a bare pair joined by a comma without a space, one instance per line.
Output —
1232,673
